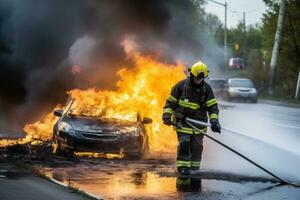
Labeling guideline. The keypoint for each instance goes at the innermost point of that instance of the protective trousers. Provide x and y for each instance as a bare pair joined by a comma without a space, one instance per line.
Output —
189,151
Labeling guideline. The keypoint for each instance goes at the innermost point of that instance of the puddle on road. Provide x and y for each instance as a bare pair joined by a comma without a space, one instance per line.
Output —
114,183
140,180
127,184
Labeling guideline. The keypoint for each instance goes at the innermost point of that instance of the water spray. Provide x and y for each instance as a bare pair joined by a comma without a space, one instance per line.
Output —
190,122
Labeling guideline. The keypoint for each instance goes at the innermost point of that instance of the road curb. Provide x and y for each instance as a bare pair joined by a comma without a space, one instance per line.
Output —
70,187
80,191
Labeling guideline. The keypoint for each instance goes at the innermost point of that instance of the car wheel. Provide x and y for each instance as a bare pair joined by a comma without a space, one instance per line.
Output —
143,150
61,151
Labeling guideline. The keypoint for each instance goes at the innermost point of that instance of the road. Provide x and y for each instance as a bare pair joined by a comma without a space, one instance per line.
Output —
273,138
19,184
270,136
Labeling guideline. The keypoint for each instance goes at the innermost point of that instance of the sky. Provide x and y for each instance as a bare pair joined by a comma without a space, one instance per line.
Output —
253,8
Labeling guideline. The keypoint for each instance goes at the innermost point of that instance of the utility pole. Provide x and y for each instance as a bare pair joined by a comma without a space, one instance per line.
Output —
276,46
225,35
297,94
245,38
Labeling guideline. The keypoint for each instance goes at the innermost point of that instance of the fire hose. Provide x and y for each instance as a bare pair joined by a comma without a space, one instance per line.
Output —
189,121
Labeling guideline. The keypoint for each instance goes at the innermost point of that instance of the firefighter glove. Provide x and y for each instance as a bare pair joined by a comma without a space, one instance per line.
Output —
215,127
167,119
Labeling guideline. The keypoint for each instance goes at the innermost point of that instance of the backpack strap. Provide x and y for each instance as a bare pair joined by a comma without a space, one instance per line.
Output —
185,87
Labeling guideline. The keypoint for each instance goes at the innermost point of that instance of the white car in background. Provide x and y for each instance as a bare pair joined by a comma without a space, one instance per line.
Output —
241,88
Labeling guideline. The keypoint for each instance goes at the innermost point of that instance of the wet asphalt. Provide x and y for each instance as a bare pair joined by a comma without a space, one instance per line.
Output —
269,135
17,183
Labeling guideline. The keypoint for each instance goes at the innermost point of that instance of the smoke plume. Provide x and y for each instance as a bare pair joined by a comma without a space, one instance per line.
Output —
51,46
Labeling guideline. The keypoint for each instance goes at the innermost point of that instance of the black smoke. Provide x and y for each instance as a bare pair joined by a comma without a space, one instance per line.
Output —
40,42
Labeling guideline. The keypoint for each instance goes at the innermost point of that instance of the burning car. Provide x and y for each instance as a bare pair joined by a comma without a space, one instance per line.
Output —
81,133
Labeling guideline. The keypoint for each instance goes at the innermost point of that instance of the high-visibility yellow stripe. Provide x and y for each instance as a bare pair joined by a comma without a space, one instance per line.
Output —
195,163
183,163
168,110
172,99
211,102
213,116
185,131
189,104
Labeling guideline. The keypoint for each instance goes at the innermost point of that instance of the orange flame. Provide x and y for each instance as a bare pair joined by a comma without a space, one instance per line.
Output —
40,130
142,89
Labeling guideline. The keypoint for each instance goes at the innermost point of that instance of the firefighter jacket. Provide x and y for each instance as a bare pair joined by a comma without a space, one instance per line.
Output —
193,101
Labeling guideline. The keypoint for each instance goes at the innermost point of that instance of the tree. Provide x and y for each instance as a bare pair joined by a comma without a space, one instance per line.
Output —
288,60
213,24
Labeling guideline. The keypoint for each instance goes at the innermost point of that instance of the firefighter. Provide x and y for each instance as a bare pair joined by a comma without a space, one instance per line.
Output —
192,98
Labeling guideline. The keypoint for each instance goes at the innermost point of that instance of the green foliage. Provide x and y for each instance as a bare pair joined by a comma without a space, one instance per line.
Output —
289,60
235,36
254,37
252,53
257,69
213,24
257,50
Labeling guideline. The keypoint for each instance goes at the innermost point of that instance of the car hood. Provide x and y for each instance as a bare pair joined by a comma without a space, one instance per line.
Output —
80,123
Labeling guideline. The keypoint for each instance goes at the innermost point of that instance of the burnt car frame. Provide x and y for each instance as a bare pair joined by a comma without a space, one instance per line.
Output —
79,133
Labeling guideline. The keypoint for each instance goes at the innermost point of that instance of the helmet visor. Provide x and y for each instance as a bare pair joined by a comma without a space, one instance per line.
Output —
198,79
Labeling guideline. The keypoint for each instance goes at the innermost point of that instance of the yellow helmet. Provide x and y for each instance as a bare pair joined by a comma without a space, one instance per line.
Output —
199,67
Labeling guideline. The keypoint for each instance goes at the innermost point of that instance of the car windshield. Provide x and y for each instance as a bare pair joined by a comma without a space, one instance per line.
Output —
100,112
74,110
241,83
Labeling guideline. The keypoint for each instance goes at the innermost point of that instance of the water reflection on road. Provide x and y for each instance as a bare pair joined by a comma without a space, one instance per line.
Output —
151,179
117,179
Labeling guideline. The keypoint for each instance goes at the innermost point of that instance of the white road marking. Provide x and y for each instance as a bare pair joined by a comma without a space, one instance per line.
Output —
284,125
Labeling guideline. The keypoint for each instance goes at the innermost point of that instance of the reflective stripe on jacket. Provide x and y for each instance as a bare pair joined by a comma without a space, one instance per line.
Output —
194,101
